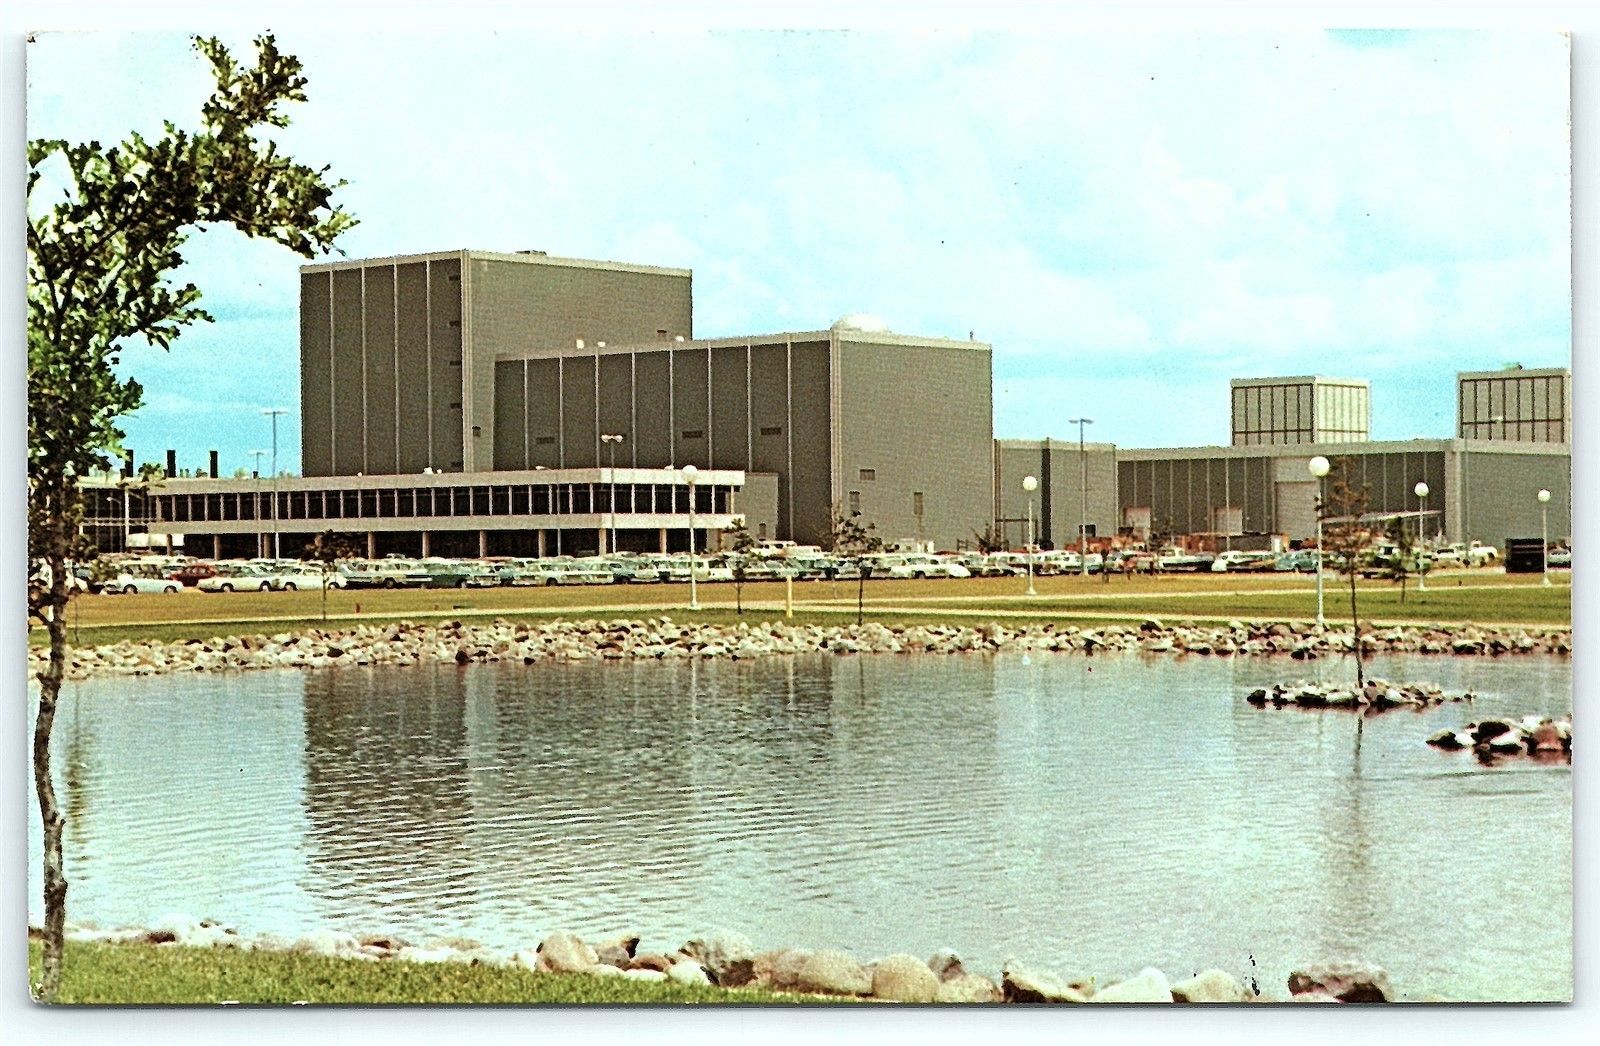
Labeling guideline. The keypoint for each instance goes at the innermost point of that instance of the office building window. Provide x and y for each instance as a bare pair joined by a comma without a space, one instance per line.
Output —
869,475
916,502
694,433
855,502
772,430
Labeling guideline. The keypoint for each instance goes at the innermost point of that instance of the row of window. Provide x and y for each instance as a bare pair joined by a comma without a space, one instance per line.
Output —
496,500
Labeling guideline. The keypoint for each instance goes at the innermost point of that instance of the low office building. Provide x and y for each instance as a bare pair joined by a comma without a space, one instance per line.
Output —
523,513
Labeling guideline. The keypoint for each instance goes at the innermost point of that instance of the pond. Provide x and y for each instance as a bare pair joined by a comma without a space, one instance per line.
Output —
1080,814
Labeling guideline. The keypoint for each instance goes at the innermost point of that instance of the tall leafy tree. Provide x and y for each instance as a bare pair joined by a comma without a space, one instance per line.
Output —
105,229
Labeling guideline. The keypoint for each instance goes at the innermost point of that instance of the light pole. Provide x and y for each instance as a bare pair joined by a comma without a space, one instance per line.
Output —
611,439
1421,490
1544,532
258,455
1319,466
1030,485
1083,497
273,412
689,474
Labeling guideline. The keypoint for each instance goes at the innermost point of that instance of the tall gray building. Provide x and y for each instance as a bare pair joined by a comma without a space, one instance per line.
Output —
1284,411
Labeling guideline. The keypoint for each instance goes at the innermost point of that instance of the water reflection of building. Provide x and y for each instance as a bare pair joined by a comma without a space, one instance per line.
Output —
386,792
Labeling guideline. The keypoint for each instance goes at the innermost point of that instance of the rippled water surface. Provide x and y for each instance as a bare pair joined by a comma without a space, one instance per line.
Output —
1089,815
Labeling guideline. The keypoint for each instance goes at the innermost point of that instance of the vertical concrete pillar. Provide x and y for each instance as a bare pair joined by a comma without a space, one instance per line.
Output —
483,543
372,545
216,545
426,545
539,538
663,535
600,537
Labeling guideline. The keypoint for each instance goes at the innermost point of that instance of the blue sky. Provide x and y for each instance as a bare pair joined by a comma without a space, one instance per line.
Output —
1130,219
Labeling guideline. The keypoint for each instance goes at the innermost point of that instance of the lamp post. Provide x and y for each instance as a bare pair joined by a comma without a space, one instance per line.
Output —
273,413
258,455
689,474
611,439
1544,532
1421,490
1318,467
1030,485
1083,497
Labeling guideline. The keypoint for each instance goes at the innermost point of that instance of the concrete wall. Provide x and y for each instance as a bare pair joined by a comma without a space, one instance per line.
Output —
1500,498
1058,467
757,502
380,367
1272,488
758,405
915,430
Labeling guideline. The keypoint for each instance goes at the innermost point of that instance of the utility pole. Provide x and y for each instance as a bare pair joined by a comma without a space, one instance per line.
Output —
273,413
1083,497
611,439
258,455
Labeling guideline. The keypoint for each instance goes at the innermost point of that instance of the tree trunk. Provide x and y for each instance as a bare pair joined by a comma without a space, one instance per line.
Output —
1355,625
326,578
861,594
738,592
55,880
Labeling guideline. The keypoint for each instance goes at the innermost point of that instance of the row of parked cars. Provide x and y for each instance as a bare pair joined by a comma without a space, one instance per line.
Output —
768,562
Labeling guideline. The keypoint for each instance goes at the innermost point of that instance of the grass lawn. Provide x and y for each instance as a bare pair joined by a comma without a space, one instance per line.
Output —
1478,596
167,975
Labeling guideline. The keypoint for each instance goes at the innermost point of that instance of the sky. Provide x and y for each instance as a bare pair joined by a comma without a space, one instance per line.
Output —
1130,219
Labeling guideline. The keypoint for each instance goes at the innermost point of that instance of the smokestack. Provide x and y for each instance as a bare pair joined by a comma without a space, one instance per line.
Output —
172,462
213,464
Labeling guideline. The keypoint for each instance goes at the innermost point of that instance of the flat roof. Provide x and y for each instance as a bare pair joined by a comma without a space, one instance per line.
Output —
1300,379
864,338
1517,372
1334,450
436,480
525,259
1064,443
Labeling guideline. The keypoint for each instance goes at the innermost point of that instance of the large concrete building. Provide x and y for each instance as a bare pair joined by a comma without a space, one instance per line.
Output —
499,403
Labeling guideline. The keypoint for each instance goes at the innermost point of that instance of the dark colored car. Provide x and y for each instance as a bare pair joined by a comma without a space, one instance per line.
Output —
191,574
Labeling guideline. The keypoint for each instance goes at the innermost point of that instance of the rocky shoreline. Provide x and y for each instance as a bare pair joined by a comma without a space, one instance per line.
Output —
726,959
1534,736
661,638
1379,695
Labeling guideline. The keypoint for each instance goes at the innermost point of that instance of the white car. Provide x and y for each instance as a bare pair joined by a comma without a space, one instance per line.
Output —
1481,555
237,577
917,565
131,584
290,580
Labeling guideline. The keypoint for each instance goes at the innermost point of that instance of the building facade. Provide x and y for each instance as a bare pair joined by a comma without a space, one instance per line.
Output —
1073,488
1515,405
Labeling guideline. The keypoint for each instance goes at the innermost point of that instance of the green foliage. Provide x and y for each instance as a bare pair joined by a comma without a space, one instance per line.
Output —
855,542
142,974
105,230
740,553
990,539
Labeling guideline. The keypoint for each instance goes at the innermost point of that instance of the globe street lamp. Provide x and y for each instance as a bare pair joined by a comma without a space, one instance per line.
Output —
1421,490
1030,485
689,474
1544,531
1319,467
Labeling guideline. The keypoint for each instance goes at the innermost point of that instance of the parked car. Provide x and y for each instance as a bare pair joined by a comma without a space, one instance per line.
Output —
304,577
1559,558
917,565
191,574
1481,555
1303,561
237,577
1236,561
128,584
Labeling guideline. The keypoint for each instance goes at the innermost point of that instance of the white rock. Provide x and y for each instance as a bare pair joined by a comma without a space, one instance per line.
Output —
1148,985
